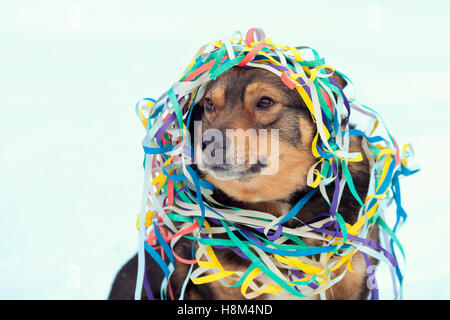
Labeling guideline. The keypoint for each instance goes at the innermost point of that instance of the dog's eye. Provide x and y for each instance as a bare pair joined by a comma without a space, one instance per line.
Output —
209,105
265,102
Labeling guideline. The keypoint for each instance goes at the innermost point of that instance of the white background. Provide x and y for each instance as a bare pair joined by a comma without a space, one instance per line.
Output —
70,154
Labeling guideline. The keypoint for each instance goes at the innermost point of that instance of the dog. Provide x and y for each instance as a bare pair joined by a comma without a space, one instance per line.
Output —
254,98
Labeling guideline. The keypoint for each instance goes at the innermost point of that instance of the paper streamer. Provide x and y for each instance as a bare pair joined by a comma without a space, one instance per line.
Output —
177,204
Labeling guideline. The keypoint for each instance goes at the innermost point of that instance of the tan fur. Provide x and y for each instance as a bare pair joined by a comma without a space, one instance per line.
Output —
351,287
307,133
267,193
270,193
356,146
258,89
293,168
294,164
217,95
267,189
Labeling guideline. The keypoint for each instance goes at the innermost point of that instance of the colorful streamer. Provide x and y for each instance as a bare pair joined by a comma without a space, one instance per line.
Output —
177,204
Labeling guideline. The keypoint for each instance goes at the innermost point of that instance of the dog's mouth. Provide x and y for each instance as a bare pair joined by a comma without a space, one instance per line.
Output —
235,172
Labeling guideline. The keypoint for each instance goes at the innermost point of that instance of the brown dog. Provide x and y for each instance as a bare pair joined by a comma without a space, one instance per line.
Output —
256,99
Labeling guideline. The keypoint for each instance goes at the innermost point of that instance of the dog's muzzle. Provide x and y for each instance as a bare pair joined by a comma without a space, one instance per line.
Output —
222,162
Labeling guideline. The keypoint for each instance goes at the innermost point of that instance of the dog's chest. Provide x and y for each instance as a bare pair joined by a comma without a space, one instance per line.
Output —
277,208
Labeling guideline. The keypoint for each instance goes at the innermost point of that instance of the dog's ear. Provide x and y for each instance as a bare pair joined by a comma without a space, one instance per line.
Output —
339,80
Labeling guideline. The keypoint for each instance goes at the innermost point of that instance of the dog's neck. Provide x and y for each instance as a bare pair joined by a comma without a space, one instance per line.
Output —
275,207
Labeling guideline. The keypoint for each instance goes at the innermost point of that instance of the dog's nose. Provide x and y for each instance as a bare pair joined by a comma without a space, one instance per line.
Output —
217,144
215,151
214,144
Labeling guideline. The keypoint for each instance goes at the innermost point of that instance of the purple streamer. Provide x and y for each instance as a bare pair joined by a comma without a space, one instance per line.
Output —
148,290
275,235
273,66
346,103
371,274
299,274
367,242
334,202
234,249
303,84
165,125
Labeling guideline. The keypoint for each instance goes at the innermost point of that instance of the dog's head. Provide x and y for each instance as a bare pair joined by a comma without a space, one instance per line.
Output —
253,136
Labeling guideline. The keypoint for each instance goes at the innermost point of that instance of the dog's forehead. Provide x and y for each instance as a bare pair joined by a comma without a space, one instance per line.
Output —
237,79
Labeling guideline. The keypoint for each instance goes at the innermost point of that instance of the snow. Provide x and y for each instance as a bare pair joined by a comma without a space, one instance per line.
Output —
71,159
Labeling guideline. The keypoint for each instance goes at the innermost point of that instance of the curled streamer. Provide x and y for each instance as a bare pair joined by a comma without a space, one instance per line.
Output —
177,204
